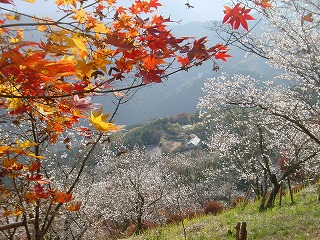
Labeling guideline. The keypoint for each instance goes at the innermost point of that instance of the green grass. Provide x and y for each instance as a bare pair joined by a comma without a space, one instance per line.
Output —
298,221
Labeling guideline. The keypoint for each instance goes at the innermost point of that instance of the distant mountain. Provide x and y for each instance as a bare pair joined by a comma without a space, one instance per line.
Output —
182,91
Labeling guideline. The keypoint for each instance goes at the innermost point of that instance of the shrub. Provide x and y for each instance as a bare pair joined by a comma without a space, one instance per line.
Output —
189,214
174,218
213,207
237,200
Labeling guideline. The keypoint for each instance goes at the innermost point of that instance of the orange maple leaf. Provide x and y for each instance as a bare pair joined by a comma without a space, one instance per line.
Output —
263,3
4,149
220,52
307,18
154,4
73,207
151,62
12,164
62,197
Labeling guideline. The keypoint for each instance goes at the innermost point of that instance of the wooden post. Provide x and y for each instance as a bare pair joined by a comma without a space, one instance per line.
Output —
237,227
241,231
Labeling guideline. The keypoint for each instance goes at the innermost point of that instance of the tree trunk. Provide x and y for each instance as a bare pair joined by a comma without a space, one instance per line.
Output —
290,191
139,224
281,193
273,194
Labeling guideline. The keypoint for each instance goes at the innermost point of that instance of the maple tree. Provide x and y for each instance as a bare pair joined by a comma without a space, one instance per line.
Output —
94,48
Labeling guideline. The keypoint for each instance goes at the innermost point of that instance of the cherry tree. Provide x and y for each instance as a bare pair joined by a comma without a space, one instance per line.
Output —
290,110
250,139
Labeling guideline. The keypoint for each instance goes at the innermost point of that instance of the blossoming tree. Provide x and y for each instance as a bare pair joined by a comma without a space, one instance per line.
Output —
288,43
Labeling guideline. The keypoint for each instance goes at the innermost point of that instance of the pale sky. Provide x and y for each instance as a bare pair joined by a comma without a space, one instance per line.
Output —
204,10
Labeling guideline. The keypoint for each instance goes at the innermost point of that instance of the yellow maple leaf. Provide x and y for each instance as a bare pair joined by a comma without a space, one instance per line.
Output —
8,163
11,17
17,212
26,144
84,68
80,15
66,2
4,149
101,58
45,110
30,1
98,121
14,40
14,103
80,43
30,154
42,28
101,28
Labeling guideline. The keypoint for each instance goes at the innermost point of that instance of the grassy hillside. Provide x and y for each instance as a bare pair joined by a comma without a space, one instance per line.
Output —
289,221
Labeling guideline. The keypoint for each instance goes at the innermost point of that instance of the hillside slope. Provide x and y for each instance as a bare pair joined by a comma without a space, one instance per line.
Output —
289,221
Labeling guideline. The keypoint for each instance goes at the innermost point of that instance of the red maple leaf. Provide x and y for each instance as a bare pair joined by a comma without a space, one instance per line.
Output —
222,55
34,166
236,16
220,52
198,50
151,76
154,4
183,61
7,1
19,110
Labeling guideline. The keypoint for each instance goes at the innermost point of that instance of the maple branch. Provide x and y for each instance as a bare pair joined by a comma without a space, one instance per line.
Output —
87,6
16,225
24,214
47,224
49,23
22,14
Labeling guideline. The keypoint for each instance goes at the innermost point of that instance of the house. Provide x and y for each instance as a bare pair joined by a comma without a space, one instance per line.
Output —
193,142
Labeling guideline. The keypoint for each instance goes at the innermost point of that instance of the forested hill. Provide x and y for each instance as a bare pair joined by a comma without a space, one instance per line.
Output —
181,133
182,91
